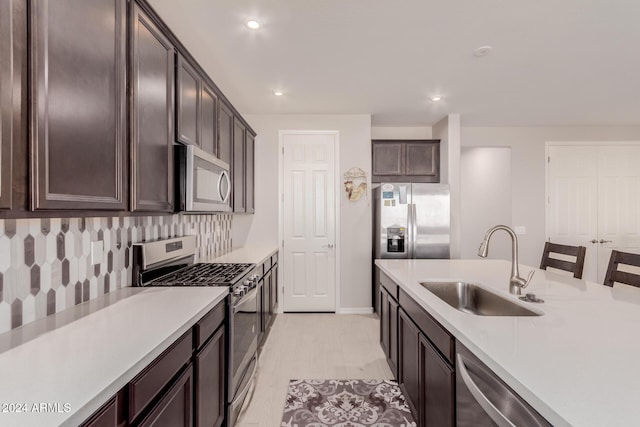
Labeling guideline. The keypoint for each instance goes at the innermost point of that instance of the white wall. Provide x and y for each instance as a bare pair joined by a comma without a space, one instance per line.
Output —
527,170
355,217
447,131
400,132
485,199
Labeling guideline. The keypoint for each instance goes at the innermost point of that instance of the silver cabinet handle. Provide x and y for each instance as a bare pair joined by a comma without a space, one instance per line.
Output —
594,241
330,246
605,241
498,417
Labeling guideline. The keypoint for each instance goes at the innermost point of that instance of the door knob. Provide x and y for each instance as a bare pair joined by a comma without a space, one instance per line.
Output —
593,241
605,241
330,246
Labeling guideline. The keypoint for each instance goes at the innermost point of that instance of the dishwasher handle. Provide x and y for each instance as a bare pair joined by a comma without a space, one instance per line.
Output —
498,417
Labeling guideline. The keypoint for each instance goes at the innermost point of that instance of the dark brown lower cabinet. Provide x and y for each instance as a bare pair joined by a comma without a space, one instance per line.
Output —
389,328
274,287
209,382
409,361
437,389
185,386
176,406
392,357
384,321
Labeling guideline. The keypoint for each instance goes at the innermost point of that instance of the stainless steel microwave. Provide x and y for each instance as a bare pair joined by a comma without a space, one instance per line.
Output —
202,181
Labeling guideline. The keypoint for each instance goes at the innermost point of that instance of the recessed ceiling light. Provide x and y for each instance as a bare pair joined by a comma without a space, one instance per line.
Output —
278,93
436,98
482,51
253,24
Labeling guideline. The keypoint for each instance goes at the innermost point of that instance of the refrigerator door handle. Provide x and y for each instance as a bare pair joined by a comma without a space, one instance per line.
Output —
414,231
409,232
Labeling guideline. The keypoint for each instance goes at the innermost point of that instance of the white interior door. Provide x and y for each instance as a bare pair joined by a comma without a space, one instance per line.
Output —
594,201
309,219
618,202
572,201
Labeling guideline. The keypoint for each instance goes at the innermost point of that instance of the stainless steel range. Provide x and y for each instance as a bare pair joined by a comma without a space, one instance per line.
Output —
171,263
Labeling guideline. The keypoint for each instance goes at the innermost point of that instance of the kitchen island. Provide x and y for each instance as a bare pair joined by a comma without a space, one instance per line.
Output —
61,369
576,364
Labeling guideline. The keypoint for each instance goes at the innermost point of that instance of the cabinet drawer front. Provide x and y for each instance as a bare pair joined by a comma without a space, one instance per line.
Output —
389,285
438,335
175,409
152,380
210,323
107,416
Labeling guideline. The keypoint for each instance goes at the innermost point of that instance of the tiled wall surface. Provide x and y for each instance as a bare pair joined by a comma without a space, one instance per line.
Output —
45,264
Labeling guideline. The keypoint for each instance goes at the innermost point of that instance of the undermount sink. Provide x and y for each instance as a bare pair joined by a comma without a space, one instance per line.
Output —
474,299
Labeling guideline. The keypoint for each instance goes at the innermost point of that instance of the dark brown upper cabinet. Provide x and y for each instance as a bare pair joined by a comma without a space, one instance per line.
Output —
239,178
78,104
225,135
405,161
188,103
152,100
12,39
208,120
250,173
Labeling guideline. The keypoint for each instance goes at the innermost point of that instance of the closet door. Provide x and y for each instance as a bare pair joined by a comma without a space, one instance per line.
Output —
593,200
618,202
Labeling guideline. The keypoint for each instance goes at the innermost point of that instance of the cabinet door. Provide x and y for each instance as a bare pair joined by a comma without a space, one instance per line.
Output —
250,174
8,78
268,281
208,120
209,382
422,159
175,408
437,388
239,162
188,103
152,68
225,135
392,357
409,360
78,89
387,158
384,321
107,416
274,288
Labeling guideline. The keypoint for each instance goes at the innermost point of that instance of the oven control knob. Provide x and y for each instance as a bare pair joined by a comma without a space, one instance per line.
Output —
240,291
254,277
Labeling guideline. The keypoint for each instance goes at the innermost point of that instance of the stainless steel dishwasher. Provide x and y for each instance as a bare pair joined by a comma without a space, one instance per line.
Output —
484,400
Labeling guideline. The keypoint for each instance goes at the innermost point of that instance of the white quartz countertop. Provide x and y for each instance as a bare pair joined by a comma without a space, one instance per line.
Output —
253,254
91,351
578,364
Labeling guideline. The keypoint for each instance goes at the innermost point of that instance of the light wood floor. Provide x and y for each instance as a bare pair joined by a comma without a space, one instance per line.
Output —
312,346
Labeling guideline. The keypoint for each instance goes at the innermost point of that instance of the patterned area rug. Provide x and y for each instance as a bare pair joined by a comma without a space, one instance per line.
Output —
346,403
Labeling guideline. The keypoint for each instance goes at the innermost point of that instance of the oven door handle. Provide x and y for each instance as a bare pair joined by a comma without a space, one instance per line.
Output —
252,293
224,176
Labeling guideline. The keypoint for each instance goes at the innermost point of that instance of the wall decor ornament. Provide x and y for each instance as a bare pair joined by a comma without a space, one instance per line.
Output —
355,184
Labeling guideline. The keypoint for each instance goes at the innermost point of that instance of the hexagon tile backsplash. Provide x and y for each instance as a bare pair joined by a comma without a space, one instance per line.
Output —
45,263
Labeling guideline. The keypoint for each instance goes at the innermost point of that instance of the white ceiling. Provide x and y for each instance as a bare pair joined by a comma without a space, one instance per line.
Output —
554,62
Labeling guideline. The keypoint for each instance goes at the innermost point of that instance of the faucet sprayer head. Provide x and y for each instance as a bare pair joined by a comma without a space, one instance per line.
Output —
483,250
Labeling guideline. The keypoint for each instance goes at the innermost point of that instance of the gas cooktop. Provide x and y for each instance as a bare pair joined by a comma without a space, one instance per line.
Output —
204,275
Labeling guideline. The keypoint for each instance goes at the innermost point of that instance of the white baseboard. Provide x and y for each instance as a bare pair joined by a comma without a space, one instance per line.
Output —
355,310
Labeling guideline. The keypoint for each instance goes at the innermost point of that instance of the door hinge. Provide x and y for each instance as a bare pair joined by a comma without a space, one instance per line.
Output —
282,150
548,159
283,243
548,200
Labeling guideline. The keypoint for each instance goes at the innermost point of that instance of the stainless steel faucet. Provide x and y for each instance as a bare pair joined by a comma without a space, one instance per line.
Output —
516,283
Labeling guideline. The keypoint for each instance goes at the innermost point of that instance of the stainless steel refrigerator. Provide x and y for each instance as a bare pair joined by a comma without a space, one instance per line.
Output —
411,220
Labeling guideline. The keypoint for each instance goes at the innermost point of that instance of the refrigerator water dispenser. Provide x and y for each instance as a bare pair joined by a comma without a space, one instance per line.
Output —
395,239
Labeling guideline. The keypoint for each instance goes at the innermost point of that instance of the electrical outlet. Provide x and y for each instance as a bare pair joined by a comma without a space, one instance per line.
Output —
520,229
97,252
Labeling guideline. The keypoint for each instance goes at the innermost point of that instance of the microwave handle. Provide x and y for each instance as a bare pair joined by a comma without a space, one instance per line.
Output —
224,175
